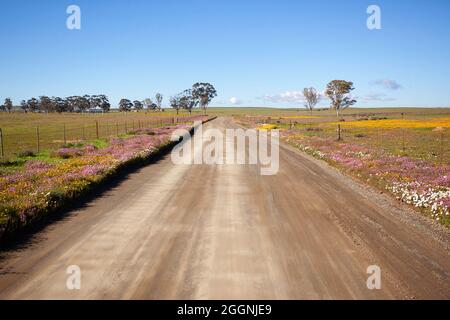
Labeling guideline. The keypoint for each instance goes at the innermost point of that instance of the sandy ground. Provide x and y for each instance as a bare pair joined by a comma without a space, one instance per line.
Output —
226,232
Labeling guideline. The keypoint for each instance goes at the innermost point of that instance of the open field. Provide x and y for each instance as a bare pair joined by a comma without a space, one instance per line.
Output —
39,132
404,153
218,232
35,185
401,131
326,112
35,133
225,232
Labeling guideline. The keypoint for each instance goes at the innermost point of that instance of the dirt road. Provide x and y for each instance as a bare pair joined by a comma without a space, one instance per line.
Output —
224,231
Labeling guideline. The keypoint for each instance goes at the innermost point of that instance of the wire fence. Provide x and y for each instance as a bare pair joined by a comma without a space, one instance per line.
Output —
48,137
431,144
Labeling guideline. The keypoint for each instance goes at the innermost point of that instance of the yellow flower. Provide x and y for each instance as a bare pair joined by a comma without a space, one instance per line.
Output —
267,127
397,123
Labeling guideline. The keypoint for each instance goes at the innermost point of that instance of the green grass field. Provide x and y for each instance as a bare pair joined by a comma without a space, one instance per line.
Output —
39,132
399,131
26,133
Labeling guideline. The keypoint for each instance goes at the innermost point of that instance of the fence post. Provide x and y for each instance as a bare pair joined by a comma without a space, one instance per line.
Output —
84,135
441,149
37,136
64,129
339,132
126,128
117,129
96,128
440,130
403,139
1,141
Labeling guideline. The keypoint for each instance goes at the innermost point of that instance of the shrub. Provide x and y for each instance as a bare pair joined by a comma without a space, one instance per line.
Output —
73,145
26,153
66,153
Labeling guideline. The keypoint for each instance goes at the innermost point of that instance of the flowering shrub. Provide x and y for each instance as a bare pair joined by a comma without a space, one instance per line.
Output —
67,153
37,187
420,183
436,200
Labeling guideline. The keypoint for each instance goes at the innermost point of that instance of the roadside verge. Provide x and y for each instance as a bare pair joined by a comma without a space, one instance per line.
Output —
79,180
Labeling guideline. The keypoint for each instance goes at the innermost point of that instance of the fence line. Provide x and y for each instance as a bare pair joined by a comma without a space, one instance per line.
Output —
52,136
432,145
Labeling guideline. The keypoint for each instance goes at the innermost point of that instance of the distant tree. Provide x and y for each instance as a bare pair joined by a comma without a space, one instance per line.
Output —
85,102
125,105
338,91
146,102
175,103
149,104
24,106
312,97
8,105
187,100
3,107
159,99
71,104
138,105
45,104
94,101
77,103
82,103
33,104
104,103
59,104
203,93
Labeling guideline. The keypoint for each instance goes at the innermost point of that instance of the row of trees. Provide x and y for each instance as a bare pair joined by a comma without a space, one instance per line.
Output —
201,94
7,105
338,91
57,104
127,105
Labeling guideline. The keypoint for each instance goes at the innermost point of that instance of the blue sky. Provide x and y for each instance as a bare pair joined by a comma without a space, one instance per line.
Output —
260,52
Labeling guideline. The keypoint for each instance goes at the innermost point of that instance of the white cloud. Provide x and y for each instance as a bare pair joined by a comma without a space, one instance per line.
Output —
235,101
287,96
387,84
290,97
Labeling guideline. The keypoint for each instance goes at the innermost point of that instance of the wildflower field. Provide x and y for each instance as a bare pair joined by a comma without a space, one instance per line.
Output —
408,158
32,186
34,132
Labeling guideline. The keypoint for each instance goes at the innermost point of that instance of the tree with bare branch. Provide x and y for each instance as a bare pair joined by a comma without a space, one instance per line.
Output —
312,97
159,99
